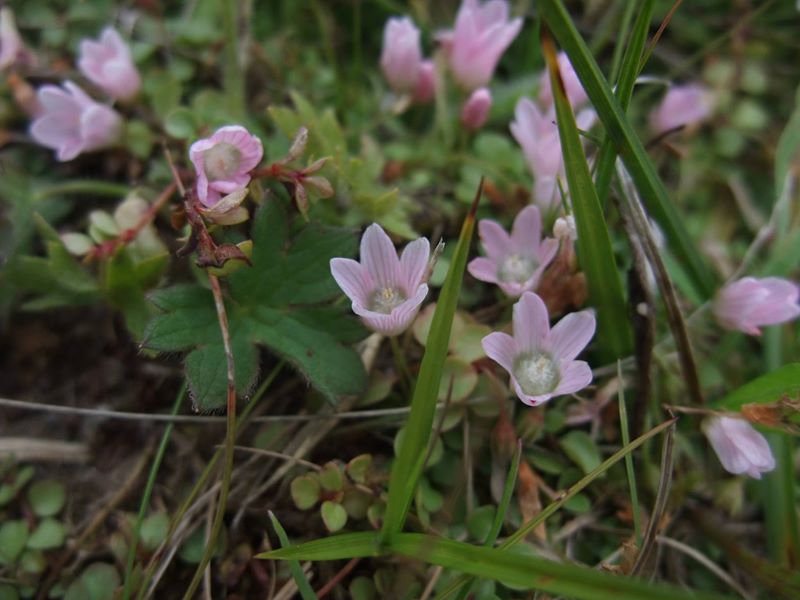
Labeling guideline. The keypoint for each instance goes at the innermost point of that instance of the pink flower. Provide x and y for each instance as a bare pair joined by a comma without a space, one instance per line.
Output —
739,447
426,84
481,34
223,162
514,262
575,92
386,292
72,122
683,105
12,50
541,361
476,109
401,58
108,64
748,303
537,133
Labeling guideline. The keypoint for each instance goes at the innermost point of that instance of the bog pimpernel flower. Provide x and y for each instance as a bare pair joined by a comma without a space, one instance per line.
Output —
385,291
223,162
108,64
401,56
481,34
541,361
72,123
476,109
682,106
739,447
575,92
514,262
748,303
536,131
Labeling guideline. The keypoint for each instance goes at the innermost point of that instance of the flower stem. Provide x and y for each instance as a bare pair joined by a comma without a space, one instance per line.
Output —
84,186
233,74
400,362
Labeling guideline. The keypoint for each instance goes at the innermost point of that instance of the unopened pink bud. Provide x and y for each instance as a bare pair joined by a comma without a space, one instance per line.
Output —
683,106
748,303
108,64
476,109
426,84
72,123
739,447
401,57
12,50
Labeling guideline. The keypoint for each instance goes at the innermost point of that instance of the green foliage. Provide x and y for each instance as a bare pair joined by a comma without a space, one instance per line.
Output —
48,534
98,581
770,387
275,303
46,497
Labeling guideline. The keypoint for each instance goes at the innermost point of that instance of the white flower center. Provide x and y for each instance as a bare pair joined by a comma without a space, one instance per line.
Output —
385,299
516,269
537,374
222,161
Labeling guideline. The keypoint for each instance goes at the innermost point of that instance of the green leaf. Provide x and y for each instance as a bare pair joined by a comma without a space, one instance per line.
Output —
48,535
100,581
274,303
594,242
334,547
581,449
13,537
181,124
306,592
407,468
628,145
305,491
770,387
46,497
333,515
154,530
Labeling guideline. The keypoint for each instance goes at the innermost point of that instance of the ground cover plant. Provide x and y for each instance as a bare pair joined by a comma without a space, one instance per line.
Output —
479,299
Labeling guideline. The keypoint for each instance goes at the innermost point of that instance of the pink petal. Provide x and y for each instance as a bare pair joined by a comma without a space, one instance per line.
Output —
496,242
527,231
571,334
379,256
739,447
401,56
398,320
476,109
527,399
531,322
414,263
575,375
426,83
483,269
352,278
501,348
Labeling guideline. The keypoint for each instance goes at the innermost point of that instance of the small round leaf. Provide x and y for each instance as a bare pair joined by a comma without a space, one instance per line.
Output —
46,497
333,515
48,535
305,491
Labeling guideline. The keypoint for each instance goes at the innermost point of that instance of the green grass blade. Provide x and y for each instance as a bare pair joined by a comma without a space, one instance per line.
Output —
594,243
626,439
300,579
148,491
334,547
631,66
408,465
552,577
628,146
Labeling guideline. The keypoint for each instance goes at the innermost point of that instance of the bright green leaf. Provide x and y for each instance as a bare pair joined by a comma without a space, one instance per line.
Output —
48,535
46,497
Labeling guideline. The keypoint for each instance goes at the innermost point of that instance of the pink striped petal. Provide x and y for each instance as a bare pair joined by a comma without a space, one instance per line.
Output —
483,269
527,230
414,263
571,335
353,278
494,239
575,375
380,258
501,348
531,323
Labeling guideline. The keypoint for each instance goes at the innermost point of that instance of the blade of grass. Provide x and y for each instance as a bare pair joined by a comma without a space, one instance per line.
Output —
626,439
628,145
334,547
594,243
300,579
631,67
148,491
500,515
409,463
565,496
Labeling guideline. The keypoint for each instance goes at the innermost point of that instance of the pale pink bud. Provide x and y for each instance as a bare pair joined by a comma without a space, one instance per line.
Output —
575,92
401,58
564,229
476,109
12,50
223,162
481,34
514,262
385,291
108,64
72,123
748,303
739,447
540,360
683,106
426,84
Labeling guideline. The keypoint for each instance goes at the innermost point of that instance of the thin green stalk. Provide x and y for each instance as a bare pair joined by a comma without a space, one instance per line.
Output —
626,438
148,490
400,362
624,29
84,186
207,471
233,75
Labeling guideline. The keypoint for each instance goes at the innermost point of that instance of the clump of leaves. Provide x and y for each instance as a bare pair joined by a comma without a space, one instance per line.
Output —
276,303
